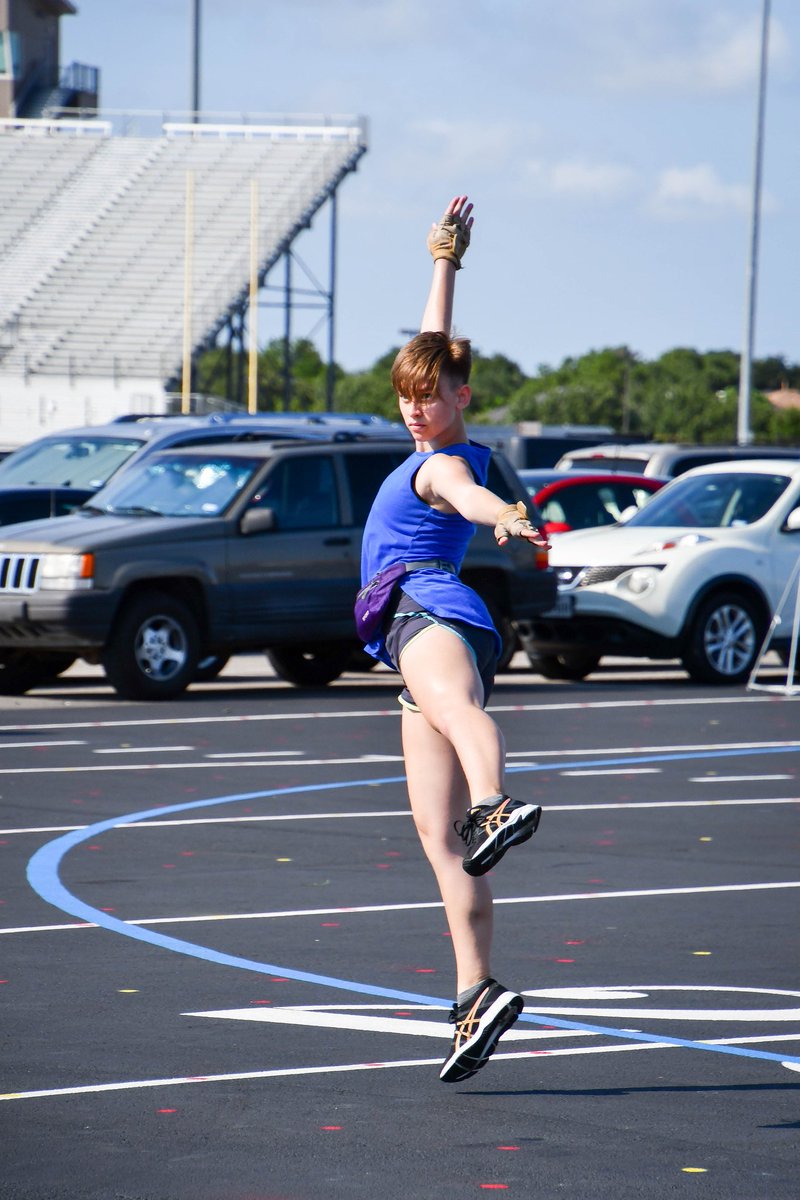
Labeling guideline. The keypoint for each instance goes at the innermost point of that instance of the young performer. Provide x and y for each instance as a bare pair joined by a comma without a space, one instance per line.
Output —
439,635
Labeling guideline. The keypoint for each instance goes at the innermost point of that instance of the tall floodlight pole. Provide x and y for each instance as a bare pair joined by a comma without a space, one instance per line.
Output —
330,381
188,255
252,323
744,434
195,58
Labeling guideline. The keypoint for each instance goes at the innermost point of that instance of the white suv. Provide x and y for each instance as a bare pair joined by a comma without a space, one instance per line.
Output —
696,574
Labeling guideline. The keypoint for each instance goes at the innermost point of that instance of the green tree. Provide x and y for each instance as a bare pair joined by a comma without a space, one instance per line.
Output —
598,388
494,380
369,391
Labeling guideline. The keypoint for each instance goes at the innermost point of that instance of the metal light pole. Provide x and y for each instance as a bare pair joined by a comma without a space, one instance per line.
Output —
744,434
195,59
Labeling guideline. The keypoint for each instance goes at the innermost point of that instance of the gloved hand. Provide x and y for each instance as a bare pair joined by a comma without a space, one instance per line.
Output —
512,521
449,238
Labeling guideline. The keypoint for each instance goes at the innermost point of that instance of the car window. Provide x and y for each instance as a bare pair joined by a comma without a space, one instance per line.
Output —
633,466
496,482
301,491
179,485
717,501
85,462
617,497
689,461
583,506
365,474
38,505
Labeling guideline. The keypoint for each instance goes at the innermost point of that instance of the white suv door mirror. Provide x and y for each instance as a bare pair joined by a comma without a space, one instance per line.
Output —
792,522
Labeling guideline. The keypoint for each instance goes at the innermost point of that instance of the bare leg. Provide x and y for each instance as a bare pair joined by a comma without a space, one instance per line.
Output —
438,794
440,673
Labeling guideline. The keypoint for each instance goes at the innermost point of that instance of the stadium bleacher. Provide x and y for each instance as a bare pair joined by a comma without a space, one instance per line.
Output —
92,232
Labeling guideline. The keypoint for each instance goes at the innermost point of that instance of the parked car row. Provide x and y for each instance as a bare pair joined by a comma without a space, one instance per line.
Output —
193,538
55,474
196,552
663,460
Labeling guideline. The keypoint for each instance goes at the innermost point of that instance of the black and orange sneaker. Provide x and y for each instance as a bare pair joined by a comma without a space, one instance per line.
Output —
490,829
479,1026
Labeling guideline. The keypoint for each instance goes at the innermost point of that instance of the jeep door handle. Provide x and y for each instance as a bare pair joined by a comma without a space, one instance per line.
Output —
337,541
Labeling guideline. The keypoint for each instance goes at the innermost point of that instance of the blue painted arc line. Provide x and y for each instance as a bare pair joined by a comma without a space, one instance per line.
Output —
43,876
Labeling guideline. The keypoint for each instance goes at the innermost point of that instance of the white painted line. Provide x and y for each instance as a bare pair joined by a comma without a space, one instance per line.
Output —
319,1018
258,754
296,1072
355,910
365,714
363,1016
145,750
622,805
364,759
616,771
295,758
687,747
737,778
39,745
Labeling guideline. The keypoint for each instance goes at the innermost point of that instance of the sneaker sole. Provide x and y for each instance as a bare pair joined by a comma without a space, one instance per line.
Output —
522,826
477,1052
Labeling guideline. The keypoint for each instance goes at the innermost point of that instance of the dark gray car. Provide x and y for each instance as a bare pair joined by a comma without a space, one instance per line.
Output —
195,554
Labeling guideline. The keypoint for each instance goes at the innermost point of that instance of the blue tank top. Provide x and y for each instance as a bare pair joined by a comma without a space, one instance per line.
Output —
403,528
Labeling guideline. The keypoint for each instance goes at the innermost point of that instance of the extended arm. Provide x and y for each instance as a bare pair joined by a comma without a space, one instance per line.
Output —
448,479
447,242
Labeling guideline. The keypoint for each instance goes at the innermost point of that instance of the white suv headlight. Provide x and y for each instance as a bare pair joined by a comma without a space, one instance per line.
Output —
639,580
66,572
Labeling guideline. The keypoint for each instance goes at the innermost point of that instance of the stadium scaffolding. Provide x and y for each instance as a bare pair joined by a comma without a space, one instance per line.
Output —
93,235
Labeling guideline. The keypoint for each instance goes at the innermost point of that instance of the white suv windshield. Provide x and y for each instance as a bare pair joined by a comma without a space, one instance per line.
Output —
71,461
178,486
712,501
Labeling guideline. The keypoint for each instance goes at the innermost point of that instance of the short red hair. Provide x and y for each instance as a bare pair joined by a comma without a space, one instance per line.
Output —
419,365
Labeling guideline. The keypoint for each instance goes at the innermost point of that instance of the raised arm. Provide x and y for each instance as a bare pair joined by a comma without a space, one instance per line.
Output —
447,242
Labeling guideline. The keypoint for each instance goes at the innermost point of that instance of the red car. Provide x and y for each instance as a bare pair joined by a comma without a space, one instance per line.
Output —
586,499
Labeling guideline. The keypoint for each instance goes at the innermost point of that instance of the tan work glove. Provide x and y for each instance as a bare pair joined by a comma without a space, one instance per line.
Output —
512,521
449,239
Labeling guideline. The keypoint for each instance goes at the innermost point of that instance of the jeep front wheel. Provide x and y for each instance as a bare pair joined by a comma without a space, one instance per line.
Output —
723,639
312,666
153,648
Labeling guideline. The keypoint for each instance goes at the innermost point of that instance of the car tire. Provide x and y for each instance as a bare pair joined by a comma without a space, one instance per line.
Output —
724,639
153,649
22,670
310,666
508,636
359,660
564,666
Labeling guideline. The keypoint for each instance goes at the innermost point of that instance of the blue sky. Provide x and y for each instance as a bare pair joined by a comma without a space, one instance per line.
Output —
608,145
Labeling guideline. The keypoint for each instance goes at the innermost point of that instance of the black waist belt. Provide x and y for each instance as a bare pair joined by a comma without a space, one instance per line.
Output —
438,564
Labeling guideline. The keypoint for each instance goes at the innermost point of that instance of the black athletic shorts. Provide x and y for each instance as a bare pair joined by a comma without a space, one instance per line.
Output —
409,620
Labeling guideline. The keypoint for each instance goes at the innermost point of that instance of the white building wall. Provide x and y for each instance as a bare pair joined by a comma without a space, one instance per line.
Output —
47,403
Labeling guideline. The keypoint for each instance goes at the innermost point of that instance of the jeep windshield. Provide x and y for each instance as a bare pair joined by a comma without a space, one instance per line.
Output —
718,501
68,461
177,485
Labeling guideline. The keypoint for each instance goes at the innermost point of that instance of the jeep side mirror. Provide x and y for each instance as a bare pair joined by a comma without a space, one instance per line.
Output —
792,522
257,520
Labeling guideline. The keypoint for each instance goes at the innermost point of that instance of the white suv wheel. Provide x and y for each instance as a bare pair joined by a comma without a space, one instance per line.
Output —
724,639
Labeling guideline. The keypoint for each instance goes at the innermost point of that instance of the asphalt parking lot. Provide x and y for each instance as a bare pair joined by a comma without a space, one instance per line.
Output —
225,971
